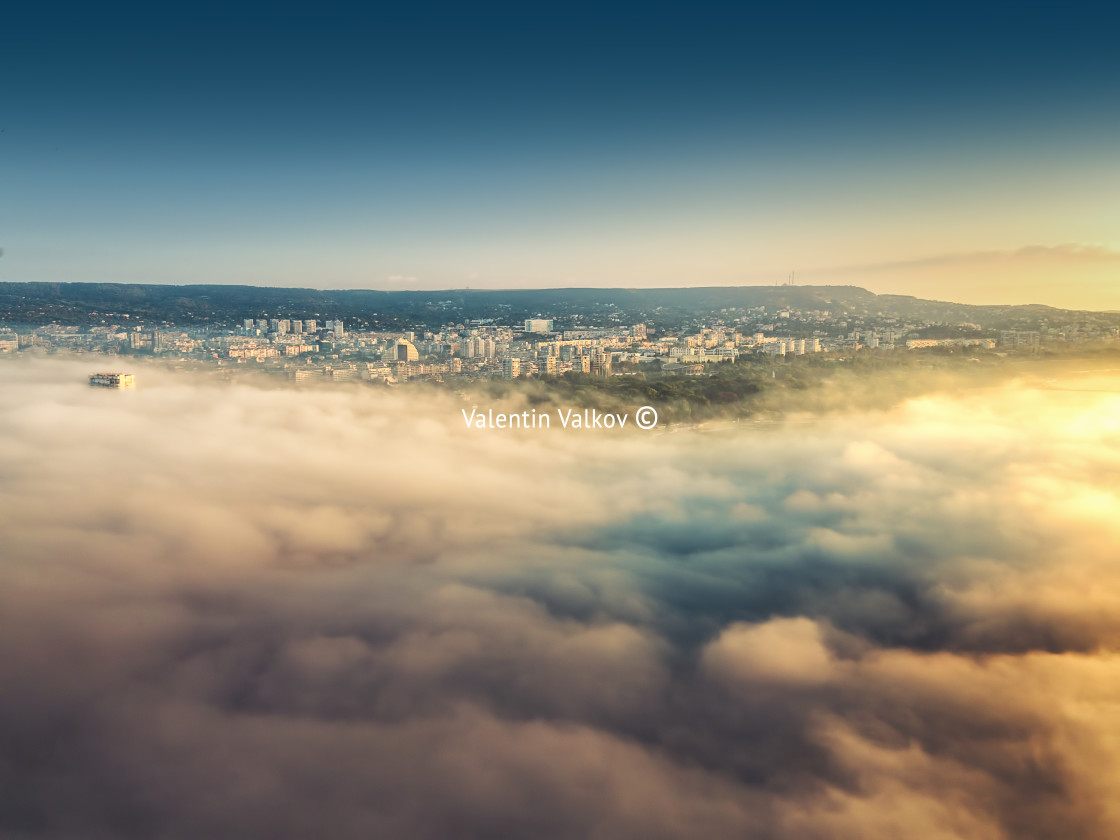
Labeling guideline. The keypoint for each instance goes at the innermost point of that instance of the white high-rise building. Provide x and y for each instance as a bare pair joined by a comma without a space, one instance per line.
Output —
402,350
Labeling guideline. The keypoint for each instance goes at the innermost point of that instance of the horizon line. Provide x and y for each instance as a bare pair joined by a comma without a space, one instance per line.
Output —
460,290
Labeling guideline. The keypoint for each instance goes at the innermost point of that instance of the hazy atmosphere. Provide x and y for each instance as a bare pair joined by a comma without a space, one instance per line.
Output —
258,611
582,421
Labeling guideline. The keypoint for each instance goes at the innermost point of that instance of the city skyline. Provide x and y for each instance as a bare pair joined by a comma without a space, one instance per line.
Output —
949,152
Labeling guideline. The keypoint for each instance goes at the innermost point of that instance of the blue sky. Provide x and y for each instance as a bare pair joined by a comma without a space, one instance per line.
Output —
953,150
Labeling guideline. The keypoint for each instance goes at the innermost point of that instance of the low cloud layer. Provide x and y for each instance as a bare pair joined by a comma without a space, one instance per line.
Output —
240,611
1066,251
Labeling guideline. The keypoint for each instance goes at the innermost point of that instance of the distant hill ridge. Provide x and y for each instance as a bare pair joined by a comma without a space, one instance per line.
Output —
78,303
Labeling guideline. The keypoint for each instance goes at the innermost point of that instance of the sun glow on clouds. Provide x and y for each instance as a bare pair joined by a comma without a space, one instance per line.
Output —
281,613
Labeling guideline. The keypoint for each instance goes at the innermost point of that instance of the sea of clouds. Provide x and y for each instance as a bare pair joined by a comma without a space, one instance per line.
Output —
236,610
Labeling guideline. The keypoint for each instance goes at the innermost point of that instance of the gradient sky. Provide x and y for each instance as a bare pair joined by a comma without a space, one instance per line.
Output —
963,151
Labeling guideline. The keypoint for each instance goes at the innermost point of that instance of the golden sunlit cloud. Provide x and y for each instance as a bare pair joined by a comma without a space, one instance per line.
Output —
285,609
